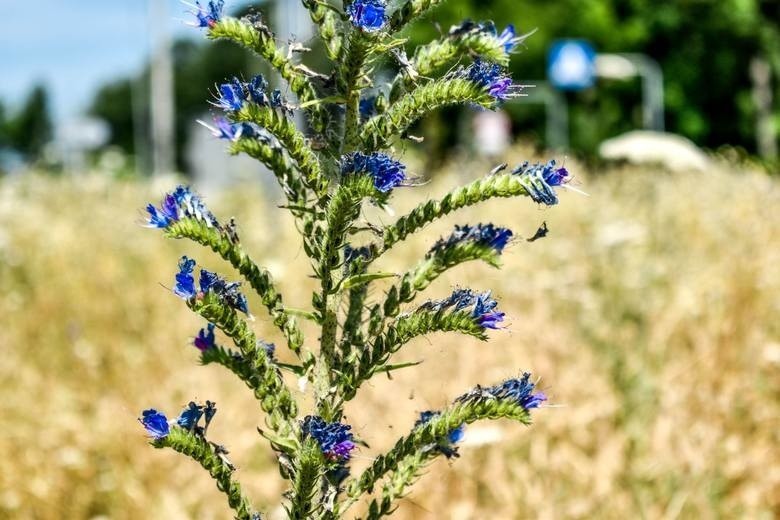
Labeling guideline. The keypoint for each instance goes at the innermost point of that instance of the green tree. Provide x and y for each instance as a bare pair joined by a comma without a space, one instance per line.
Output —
31,128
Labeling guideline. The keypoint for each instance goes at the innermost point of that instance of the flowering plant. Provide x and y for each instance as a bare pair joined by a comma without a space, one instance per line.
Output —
346,159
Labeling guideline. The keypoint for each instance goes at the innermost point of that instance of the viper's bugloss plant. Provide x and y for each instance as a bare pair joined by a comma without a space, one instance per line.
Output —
348,155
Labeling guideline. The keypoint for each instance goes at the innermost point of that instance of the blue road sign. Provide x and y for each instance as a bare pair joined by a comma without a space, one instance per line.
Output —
571,65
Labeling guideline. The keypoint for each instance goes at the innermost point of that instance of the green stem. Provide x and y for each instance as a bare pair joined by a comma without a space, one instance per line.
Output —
262,42
259,279
197,448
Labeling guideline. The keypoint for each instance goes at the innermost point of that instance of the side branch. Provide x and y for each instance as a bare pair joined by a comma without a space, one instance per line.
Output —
275,398
378,131
410,11
202,452
327,22
262,42
277,124
272,156
429,434
259,279
480,190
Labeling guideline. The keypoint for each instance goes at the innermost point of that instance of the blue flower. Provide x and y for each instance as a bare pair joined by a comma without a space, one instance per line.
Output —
208,16
227,292
483,234
205,339
335,440
185,282
491,77
189,204
509,39
224,129
520,391
155,423
190,416
256,88
454,436
178,204
484,312
482,305
368,15
231,95
543,177
386,172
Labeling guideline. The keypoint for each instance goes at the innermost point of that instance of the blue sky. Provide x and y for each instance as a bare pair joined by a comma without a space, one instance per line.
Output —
73,46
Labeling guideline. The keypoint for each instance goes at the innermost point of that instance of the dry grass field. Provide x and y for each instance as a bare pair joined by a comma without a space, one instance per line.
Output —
651,313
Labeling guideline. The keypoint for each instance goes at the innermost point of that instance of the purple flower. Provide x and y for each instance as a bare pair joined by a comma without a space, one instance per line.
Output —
185,282
334,439
190,416
386,172
491,77
209,15
368,15
205,339
542,177
483,234
482,305
231,95
155,423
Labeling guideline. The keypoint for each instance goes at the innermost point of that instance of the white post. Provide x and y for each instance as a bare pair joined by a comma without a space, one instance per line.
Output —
161,90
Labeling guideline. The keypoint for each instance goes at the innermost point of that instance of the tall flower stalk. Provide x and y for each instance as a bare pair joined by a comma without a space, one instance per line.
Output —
356,125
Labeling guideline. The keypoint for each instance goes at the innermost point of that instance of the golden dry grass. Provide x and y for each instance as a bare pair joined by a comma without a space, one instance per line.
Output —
650,312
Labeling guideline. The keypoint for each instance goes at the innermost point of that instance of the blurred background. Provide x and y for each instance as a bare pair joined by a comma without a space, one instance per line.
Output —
650,311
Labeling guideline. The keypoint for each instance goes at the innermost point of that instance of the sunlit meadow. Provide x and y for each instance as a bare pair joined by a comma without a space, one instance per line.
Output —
650,312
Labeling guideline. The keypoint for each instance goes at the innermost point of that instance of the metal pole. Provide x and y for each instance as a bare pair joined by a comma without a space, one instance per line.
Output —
761,77
161,90
652,90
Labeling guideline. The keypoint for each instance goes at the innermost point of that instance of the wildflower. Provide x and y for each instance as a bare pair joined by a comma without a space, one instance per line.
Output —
483,307
454,436
205,339
368,15
224,129
155,423
492,77
231,95
483,234
509,39
189,417
178,204
386,172
334,439
520,391
256,88
543,177
185,282
166,215
226,291
209,15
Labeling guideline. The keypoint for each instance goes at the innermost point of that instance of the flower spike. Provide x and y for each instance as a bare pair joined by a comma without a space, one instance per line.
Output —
386,172
334,439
